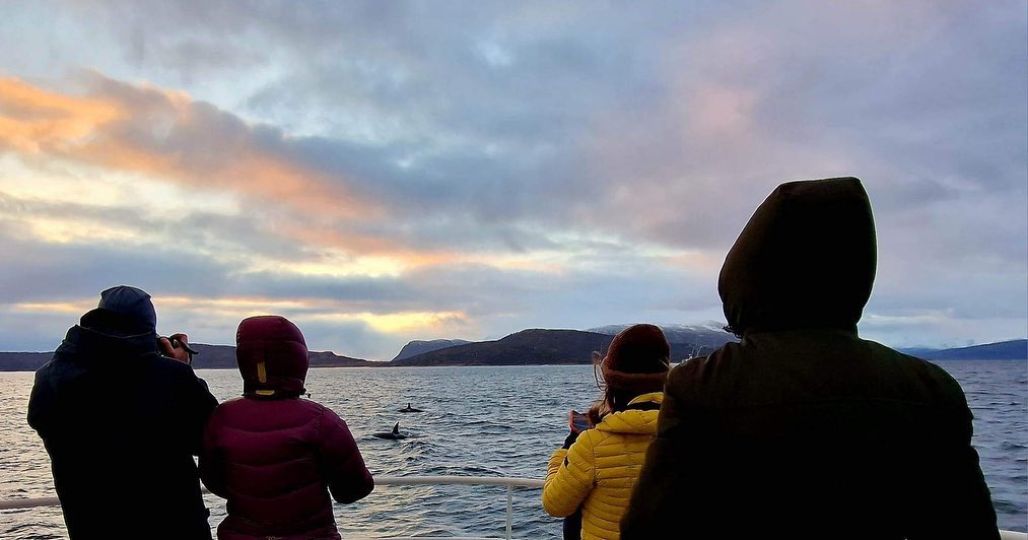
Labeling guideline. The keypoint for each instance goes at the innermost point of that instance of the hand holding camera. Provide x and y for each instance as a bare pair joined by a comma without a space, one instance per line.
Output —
578,422
176,347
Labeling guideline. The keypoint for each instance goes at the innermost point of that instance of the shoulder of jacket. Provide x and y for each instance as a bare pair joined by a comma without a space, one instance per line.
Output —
312,411
629,423
689,373
47,369
231,403
942,386
320,414
227,407
315,407
590,438
698,379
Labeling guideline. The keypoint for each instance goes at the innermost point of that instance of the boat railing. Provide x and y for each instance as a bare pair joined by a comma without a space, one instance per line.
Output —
510,483
499,481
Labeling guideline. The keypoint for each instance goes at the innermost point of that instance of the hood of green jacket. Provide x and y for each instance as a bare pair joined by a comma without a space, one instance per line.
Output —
806,259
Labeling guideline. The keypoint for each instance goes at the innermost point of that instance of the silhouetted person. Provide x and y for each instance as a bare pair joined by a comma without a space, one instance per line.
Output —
802,429
121,423
275,456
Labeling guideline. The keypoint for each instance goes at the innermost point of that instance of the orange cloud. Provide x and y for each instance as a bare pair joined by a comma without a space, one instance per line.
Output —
34,120
235,308
167,136
170,138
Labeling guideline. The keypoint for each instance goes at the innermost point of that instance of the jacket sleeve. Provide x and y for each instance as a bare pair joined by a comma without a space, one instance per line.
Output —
569,477
212,462
955,489
201,404
40,404
655,506
348,478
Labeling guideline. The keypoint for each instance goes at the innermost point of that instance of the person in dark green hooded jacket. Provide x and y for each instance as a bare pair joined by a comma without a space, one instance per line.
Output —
802,429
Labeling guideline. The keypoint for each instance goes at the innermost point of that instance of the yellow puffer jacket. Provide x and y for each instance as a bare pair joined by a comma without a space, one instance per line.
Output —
600,469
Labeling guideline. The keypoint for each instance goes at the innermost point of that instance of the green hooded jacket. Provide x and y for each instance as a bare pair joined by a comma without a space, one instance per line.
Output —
802,429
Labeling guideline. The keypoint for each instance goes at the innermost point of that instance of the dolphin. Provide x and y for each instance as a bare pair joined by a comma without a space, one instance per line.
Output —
410,409
393,435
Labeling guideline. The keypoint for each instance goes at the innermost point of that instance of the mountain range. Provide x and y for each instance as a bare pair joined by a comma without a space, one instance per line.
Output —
532,347
210,357
1014,349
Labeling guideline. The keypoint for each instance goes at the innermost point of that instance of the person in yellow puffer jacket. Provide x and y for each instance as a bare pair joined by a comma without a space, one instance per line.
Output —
595,470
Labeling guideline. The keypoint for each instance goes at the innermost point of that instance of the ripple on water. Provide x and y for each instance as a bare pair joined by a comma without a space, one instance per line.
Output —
483,422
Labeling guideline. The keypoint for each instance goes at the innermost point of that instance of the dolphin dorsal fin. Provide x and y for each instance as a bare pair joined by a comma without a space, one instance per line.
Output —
396,429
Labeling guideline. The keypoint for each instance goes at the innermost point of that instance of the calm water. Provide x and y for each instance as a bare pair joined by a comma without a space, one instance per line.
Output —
484,421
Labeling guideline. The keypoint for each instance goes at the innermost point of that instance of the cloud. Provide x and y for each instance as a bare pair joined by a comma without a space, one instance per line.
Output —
166,135
529,165
37,121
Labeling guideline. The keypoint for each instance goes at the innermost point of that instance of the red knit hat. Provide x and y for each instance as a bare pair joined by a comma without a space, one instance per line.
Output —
637,360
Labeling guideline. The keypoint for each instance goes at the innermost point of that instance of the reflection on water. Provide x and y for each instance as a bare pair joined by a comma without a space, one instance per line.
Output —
482,421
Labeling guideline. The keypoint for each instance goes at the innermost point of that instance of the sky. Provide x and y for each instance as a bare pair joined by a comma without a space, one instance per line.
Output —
386,171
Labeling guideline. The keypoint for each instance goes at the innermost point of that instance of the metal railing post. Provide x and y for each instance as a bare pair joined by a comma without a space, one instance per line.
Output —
510,510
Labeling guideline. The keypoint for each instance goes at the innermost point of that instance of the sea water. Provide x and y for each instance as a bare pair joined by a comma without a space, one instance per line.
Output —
483,421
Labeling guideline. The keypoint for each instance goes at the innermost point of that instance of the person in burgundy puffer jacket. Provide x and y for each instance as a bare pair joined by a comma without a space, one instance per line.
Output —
274,456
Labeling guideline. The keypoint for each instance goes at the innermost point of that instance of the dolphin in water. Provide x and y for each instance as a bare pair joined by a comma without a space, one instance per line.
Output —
393,435
410,409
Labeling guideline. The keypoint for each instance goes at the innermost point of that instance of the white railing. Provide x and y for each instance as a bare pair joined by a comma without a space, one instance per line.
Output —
499,481
19,504
510,484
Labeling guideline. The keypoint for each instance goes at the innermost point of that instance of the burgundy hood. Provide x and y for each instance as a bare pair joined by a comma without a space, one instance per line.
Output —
272,357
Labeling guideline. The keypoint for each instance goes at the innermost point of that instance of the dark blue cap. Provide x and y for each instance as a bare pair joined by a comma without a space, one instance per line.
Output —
131,303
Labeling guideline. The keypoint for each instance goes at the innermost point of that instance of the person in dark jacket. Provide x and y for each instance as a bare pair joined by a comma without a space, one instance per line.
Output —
275,456
122,423
802,429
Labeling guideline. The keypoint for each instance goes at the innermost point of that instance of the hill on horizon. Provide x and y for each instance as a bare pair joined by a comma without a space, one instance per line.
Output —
417,346
224,356
711,334
527,347
1014,349
536,347
210,357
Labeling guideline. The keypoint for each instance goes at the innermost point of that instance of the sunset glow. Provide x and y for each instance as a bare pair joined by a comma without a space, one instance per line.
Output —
519,173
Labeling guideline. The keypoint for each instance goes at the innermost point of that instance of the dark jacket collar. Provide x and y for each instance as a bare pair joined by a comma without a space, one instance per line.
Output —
89,344
805,333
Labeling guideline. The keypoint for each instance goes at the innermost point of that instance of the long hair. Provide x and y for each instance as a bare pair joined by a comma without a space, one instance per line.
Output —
601,406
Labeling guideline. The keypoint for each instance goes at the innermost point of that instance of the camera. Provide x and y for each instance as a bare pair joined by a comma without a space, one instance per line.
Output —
177,343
